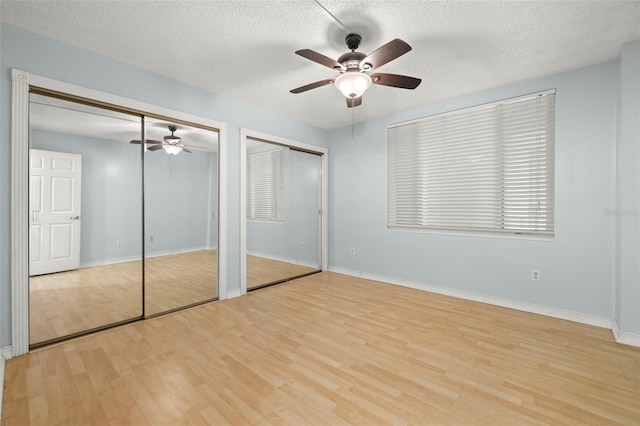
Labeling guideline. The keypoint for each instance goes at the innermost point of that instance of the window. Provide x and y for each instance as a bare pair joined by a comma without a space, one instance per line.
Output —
488,168
265,185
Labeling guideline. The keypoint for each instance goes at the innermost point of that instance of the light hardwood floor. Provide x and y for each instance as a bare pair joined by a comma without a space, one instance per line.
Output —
70,302
331,349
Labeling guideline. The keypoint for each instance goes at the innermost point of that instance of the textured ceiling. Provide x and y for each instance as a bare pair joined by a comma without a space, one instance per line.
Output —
245,49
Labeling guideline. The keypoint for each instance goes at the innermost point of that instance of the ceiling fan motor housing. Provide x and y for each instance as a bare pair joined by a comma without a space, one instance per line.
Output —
353,41
351,60
172,139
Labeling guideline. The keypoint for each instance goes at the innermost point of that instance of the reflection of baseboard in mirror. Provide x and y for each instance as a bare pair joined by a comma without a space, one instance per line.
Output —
299,262
148,256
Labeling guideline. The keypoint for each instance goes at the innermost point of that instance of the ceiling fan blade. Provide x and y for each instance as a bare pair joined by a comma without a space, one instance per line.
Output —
186,150
155,148
354,102
313,85
148,141
319,58
385,53
395,80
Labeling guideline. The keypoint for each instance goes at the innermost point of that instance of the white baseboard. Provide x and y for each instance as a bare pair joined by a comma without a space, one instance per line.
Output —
138,258
284,259
174,252
344,271
625,337
305,263
6,352
107,262
268,256
232,294
594,320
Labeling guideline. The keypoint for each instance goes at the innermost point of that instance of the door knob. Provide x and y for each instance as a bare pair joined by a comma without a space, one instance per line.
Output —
74,218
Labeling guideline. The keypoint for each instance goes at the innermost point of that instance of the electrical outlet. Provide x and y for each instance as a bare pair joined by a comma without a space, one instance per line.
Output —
352,251
119,243
301,244
535,275
151,238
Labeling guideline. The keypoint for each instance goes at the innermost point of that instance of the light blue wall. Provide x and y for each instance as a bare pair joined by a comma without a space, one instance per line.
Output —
577,269
627,213
44,56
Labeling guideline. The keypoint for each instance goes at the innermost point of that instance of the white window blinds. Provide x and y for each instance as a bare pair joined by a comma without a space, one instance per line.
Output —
488,168
265,185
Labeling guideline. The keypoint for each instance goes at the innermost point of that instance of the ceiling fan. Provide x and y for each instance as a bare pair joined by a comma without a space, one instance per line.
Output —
354,67
171,143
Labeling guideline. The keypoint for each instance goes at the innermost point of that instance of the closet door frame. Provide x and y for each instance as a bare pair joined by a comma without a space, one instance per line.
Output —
22,82
324,195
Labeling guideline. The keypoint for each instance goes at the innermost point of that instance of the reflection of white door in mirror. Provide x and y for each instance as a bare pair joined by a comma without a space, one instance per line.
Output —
54,211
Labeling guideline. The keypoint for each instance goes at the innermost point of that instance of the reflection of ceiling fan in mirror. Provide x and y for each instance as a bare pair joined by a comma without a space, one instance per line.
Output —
171,143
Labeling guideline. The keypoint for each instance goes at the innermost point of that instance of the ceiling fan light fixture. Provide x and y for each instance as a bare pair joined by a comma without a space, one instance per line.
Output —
353,84
172,149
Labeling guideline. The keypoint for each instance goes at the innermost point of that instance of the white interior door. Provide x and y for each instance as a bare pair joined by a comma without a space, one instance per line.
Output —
54,206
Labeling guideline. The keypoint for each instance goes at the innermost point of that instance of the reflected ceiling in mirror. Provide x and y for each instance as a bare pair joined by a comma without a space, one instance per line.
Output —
53,114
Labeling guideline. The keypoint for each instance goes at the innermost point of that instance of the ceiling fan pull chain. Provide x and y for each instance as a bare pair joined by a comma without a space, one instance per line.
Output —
353,123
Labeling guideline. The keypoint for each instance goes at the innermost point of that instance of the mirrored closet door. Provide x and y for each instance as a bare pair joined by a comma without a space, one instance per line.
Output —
119,230
85,218
181,219
283,220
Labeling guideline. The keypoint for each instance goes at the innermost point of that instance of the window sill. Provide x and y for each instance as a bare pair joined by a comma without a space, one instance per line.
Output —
481,234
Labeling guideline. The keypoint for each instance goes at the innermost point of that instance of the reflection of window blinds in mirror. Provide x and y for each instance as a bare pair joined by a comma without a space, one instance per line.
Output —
265,185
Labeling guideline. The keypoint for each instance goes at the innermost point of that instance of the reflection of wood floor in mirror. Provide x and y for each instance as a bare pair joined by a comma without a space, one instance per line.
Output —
74,301
71,302
331,349
262,271
180,280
